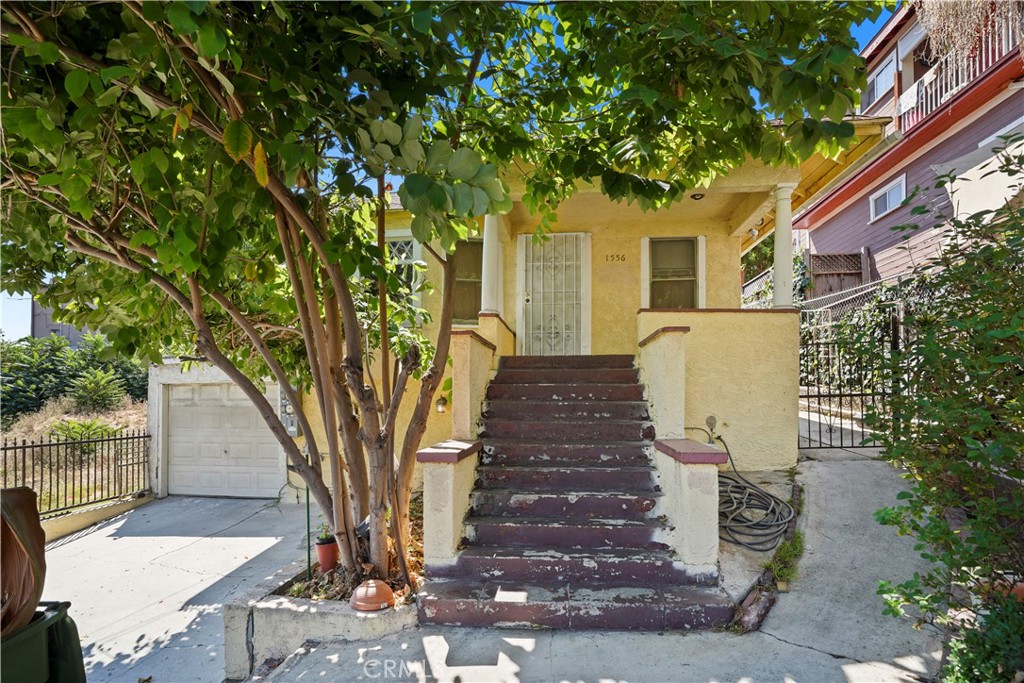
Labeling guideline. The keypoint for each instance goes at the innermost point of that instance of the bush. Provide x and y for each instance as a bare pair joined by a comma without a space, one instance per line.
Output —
79,430
34,371
96,390
955,420
994,651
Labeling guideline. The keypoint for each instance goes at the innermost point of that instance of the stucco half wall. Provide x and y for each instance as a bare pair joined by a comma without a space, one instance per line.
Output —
742,366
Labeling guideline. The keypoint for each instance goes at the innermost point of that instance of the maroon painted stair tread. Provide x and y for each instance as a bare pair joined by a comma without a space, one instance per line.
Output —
564,529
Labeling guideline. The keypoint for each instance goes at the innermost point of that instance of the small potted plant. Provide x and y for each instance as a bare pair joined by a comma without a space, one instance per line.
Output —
326,549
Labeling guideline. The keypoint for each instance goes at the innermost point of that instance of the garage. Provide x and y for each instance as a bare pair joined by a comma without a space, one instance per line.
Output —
213,441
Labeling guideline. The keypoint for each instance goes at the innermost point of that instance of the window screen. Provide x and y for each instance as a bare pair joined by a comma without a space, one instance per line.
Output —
468,280
674,273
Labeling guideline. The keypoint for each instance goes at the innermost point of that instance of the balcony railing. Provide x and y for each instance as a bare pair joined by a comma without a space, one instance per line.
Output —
954,72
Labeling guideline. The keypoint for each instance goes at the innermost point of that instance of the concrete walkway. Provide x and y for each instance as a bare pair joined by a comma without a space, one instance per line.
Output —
146,588
829,627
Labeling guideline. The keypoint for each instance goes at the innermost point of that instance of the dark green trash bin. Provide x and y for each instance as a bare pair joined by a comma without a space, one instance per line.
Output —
45,651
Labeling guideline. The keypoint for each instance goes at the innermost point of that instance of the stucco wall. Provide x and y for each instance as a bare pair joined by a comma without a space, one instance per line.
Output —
616,231
742,367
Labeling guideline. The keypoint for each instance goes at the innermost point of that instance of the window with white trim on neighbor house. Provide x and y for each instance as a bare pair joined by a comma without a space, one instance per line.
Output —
468,260
674,273
879,83
888,198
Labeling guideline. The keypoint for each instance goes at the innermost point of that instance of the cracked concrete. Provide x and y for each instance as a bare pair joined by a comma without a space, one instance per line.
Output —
147,588
828,627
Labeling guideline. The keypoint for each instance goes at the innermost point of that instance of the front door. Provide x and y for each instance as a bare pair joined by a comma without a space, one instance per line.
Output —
553,285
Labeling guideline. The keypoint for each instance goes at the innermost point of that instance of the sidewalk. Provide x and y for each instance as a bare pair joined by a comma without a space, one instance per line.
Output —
829,627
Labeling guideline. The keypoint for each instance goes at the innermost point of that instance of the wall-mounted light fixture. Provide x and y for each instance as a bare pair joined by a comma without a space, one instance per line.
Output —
441,404
697,196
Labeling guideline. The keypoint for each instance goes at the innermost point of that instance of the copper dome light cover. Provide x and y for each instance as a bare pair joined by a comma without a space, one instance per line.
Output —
372,595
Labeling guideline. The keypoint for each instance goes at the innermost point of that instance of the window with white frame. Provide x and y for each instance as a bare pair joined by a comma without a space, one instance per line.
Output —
468,262
404,253
673,272
879,83
889,197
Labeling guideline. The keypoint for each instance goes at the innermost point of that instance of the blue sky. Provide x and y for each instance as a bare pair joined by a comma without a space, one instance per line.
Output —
15,311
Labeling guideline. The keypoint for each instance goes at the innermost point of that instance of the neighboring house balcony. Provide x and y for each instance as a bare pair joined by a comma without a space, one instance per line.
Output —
953,73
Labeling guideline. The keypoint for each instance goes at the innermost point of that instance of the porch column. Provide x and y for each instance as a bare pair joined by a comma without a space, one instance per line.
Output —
490,287
783,272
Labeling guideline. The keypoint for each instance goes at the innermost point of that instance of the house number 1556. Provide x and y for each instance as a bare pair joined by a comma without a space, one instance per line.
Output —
618,258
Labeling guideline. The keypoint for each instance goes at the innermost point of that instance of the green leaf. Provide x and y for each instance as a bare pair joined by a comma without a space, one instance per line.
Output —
211,41
147,101
464,164
237,139
49,53
76,83
438,155
109,96
114,73
463,199
159,159
392,132
181,18
421,21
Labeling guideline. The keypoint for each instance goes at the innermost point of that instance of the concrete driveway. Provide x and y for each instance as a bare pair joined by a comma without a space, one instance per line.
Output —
146,588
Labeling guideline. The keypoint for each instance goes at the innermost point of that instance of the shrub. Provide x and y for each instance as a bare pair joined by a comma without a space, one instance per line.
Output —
74,431
34,371
955,420
993,651
97,390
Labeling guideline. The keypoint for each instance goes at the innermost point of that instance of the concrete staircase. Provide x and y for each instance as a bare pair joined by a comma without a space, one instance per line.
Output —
564,530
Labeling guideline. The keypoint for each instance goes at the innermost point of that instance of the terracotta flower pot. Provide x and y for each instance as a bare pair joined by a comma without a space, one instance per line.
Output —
327,553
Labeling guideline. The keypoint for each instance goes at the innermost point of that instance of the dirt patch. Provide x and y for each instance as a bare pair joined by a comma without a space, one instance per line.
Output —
338,584
37,426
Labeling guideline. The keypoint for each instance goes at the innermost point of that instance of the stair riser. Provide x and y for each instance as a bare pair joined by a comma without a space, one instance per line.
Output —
553,455
573,616
523,362
565,392
525,535
570,479
568,376
468,612
567,410
500,504
592,572
575,432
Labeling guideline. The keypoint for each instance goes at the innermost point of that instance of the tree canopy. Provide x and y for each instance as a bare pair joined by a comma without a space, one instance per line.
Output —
207,178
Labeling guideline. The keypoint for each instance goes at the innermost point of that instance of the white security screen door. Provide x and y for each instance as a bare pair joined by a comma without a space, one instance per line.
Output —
554,295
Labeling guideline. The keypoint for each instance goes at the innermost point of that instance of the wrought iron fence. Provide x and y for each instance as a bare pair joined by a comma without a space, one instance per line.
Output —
839,385
70,473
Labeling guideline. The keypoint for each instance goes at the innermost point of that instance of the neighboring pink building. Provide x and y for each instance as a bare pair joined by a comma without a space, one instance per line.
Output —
946,116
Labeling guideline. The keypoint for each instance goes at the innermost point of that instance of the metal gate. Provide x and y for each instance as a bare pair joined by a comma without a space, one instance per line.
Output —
554,295
840,385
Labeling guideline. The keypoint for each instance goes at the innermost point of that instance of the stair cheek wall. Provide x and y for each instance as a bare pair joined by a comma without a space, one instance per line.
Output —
564,529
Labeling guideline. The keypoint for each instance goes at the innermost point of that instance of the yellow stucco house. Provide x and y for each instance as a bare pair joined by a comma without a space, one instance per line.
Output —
563,484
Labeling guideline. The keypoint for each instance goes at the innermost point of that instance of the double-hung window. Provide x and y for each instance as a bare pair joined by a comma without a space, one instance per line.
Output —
673,273
879,83
889,197
468,261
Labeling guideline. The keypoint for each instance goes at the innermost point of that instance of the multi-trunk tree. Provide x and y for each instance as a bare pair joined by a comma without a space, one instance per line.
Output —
210,179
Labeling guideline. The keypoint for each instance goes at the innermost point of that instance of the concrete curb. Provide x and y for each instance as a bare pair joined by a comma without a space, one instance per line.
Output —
261,625
63,525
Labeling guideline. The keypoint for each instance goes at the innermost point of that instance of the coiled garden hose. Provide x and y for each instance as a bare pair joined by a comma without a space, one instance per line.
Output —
748,515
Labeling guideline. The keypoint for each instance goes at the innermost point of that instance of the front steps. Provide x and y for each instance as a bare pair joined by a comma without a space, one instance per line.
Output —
564,530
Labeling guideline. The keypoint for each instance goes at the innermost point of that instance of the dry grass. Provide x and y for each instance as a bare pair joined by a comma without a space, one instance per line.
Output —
36,426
